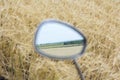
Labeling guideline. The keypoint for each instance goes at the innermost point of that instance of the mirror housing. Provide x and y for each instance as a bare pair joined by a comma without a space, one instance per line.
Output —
59,40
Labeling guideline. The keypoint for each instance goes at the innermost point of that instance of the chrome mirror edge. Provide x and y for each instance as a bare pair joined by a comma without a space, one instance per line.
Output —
72,27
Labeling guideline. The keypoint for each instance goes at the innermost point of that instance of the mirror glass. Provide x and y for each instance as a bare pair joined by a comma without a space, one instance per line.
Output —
58,40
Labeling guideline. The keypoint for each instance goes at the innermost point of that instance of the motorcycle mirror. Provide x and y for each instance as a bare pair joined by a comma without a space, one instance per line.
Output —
59,40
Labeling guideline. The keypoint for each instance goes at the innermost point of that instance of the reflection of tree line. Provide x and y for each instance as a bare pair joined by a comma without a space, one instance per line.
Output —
73,42
62,44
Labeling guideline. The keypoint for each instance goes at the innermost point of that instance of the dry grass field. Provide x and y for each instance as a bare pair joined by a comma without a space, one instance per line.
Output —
99,20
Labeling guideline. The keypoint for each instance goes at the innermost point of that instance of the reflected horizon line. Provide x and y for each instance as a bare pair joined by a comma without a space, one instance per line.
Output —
59,42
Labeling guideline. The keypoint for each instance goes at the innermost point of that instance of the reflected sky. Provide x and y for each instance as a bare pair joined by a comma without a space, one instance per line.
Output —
56,32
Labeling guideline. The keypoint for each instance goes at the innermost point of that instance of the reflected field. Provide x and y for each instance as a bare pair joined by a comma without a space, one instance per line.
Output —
60,49
66,51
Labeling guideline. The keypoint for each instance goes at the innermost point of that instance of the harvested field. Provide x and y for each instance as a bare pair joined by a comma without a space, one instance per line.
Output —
63,51
99,20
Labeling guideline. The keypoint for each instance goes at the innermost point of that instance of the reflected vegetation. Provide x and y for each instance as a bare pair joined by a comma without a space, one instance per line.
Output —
67,48
61,44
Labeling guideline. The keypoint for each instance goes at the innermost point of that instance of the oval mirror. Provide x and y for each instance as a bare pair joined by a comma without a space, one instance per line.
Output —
57,39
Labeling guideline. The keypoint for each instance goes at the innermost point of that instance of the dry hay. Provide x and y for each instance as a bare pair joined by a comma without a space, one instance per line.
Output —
99,20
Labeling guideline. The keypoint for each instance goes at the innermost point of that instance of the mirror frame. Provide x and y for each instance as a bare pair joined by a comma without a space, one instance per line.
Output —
67,25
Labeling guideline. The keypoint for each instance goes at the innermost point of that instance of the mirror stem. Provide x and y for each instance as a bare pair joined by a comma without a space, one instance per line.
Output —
78,69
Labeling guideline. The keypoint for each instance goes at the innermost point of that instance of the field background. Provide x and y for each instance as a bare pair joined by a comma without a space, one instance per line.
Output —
99,20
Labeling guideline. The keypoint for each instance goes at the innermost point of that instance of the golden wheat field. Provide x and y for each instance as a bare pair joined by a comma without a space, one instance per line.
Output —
99,20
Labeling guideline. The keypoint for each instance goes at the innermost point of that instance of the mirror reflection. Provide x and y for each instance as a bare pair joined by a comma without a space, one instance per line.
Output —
57,39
